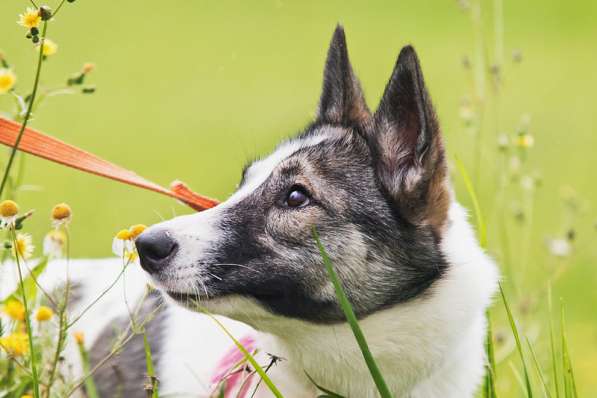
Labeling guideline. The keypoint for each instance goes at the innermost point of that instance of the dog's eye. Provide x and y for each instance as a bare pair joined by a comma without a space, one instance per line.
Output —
297,197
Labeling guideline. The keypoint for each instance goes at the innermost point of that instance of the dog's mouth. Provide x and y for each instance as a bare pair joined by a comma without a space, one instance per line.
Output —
188,298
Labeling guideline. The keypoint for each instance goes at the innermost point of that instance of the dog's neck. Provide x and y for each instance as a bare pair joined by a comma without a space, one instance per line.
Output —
429,346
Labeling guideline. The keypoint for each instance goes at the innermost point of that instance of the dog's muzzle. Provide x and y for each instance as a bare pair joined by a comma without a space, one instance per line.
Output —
156,248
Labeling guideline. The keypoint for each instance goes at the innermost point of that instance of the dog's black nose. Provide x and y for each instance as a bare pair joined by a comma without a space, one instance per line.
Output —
155,249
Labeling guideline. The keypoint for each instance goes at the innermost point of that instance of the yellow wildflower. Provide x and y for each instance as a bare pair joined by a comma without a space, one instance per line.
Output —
7,80
26,396
87,68
525,141
15,309
15,344
44,314
23,246
8,208
61,214
30,18
79,337
123,234
136,230
49,48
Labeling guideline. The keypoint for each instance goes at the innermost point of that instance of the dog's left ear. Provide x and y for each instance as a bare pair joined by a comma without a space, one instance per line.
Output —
409,153
342,100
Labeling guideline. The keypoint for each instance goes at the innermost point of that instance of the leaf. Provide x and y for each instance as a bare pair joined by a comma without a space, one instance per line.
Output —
149,365
382,387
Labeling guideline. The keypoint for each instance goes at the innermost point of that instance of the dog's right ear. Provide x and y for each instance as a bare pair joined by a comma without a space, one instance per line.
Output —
342,100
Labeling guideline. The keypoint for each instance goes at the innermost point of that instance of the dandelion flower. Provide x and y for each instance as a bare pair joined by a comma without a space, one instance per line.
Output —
30,18
136,230
44,314
15,310
79,337
15,344
61,214
23,246
54,243
7,80
49,48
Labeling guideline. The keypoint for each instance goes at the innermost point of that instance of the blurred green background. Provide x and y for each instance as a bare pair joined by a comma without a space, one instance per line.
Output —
192,89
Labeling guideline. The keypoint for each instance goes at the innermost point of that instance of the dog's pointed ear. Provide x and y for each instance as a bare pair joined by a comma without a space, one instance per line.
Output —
342,100
409,153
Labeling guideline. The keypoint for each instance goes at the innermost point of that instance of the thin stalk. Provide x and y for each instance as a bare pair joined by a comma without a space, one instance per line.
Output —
29,109
34,375
62,323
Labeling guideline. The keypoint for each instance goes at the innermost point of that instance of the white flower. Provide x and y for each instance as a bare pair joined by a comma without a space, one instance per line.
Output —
54,243
23,246
559,247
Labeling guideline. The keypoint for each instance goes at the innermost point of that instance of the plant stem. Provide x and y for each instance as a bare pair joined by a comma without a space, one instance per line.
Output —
29,109
34,376
62,325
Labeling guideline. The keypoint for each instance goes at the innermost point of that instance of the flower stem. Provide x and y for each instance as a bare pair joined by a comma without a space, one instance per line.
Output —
29,109
34,376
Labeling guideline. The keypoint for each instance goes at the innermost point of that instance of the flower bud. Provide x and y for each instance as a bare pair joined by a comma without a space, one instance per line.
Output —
45,13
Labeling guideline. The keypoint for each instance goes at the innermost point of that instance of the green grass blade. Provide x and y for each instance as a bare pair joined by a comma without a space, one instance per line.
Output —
352,321
481,227
527,380
90,388
149,366
329,393
538,369
270,384
554,361
569,380
489,390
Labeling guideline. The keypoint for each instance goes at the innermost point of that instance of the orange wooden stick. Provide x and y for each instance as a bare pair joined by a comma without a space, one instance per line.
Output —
50,148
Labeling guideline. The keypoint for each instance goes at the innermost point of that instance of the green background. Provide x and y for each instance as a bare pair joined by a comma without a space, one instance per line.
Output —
191,90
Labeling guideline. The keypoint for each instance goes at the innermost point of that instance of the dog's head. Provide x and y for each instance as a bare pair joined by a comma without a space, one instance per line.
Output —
373,184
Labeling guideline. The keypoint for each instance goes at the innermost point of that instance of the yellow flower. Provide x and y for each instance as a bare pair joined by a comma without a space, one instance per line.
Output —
61,214
136,230
130,256
7,80
88,67
30,18
525,141
8,208
23,246
15,310
79,337
49,48
15,344
44,314
26,396
123,234
54,243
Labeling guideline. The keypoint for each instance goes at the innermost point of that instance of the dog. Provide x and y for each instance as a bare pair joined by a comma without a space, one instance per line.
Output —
375,187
